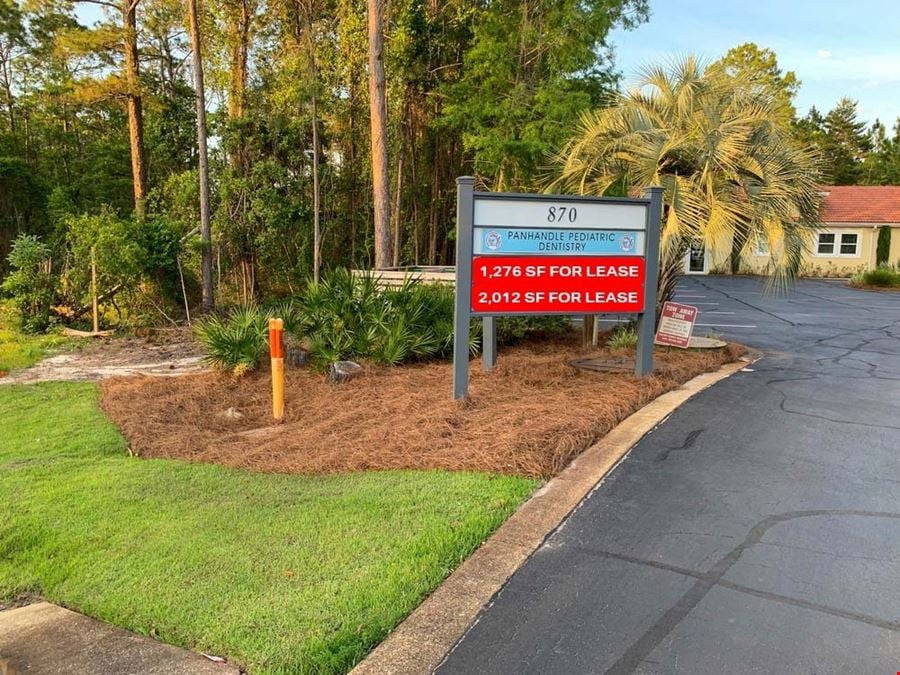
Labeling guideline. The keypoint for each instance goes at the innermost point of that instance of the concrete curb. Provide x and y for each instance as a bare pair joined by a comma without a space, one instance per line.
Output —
420,643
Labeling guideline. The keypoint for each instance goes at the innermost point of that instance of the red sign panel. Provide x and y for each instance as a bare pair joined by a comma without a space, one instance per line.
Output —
557,284
676,325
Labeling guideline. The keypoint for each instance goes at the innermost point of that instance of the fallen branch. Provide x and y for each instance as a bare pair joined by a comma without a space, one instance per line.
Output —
111,293
71,332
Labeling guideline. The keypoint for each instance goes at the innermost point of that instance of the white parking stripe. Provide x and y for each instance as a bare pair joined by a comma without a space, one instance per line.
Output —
711,311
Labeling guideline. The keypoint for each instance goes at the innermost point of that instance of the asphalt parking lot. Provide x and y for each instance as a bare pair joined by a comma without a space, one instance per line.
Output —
757,530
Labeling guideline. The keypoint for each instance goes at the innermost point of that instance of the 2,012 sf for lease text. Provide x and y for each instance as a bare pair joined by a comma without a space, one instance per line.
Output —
560,285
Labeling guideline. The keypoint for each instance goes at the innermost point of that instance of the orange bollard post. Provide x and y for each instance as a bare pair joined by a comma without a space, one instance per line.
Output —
276,353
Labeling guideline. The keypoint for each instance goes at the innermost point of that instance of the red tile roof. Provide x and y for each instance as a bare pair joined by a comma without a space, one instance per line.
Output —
861,204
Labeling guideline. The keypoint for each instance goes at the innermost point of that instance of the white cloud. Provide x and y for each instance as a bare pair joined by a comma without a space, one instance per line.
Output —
823,53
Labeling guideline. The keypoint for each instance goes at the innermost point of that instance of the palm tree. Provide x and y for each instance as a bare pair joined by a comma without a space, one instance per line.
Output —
726,159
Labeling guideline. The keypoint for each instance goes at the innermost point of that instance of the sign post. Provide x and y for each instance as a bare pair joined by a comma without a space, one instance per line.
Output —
529,254
646,322
465,210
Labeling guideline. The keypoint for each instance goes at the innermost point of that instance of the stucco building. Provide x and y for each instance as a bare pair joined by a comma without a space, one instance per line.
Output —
852,216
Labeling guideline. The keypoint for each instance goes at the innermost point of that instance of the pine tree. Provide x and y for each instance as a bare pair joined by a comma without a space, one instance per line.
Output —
845,143
882,166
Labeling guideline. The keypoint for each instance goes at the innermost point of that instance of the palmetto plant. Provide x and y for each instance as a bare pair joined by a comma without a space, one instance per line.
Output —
347,315
730,168
235,342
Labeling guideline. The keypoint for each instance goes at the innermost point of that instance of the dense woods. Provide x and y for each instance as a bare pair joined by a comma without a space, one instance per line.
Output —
336,128
238,148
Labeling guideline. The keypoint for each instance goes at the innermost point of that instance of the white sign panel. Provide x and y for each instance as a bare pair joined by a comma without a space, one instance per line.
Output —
568,214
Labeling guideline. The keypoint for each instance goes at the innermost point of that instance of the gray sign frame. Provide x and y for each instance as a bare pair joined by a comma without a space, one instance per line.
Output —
651,202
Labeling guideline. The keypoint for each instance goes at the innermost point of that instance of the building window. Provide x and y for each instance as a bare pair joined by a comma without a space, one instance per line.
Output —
830,244
762,247
826,244
849,244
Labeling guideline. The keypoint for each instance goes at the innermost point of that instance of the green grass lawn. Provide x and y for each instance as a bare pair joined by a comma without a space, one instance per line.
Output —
282,574
18,350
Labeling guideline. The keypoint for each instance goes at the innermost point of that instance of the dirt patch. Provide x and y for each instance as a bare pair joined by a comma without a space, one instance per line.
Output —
530,416
161,352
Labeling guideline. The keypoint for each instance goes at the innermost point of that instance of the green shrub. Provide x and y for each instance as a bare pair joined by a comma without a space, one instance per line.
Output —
31,283
348,316
622,336
236,342
511,329
883,248
288,310
117,252
885,276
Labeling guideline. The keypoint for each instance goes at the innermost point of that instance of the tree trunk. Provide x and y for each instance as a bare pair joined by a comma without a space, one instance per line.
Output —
10,101
202,156
381,189
65,143
353,167
240,16
413,181
433,207
671,269
135,105
317,229
354,201
396,218
240,27
314,105
738,241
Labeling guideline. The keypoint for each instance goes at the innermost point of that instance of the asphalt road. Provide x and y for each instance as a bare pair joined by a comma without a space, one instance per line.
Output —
757,530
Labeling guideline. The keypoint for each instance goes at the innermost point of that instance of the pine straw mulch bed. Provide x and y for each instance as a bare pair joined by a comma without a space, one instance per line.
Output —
530,416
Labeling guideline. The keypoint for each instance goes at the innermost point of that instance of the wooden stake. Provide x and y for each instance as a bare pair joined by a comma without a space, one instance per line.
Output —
94,289
587,330
187,309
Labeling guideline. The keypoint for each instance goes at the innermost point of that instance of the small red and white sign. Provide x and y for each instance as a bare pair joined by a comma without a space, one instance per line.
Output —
676,325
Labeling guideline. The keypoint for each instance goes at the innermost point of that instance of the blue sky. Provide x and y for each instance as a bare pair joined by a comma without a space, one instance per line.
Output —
837,49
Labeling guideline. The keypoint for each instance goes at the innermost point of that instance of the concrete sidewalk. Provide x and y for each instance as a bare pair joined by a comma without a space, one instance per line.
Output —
44,639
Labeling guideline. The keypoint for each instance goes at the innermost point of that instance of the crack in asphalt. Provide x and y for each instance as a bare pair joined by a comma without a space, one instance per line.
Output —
832,300
745,303
689,441
652,637
783,404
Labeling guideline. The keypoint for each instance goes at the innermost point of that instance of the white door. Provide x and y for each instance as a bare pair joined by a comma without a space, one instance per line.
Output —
696,261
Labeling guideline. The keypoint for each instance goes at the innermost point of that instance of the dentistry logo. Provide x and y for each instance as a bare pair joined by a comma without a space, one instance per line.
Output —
627,243
493,240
